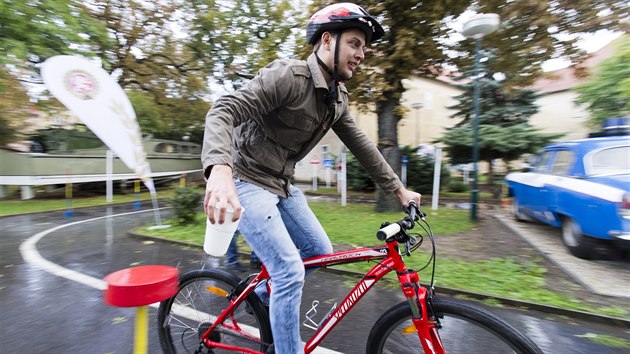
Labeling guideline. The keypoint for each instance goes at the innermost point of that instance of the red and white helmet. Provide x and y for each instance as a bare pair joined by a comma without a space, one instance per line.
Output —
341,16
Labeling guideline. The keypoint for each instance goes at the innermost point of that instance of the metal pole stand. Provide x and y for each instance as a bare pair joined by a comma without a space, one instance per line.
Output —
139,287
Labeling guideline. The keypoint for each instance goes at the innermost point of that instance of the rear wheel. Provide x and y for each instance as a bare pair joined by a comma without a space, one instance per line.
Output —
202,296
465,329
578,244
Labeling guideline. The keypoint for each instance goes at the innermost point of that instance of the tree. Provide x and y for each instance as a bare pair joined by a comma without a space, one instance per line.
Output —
532,32
30,32
607,93
416,41
419,173
11,94
504,132
242,36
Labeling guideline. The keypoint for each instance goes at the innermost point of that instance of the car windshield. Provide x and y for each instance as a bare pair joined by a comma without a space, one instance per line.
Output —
609,161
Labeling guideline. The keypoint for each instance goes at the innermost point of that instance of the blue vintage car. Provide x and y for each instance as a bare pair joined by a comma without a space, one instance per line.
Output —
582,186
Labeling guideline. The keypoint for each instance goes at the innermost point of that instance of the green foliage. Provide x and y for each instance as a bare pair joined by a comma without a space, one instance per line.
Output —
456,186
186,205
172,121
503,115
358,178
13,100
607,340
532,32
31,32
607,93
420,170
419,173
495,142
243,36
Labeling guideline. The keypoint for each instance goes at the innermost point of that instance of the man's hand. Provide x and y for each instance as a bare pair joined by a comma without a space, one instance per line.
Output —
221,192
405,196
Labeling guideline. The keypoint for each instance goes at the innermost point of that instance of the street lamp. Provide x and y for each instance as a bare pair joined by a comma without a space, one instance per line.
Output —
416,107
476,28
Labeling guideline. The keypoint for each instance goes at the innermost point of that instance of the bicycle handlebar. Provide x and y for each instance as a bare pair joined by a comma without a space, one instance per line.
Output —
406,223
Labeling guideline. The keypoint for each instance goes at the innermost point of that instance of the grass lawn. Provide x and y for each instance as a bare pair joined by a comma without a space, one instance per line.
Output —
15,207
357,224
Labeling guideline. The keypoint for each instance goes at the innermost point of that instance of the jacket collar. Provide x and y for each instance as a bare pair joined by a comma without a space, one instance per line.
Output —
318,77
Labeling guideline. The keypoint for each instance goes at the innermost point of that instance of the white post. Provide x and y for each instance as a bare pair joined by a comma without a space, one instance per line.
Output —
327,176
109,171
403,170
27,192
465,172
314,164
342,178
436,178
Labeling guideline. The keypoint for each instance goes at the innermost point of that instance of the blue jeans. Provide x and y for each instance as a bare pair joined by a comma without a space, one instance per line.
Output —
282,231
232,256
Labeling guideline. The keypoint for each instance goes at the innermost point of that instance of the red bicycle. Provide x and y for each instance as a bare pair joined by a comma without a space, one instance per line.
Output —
216,312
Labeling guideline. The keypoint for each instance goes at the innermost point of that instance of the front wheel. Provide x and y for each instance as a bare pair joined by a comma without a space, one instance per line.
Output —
464,329
202,296
578,244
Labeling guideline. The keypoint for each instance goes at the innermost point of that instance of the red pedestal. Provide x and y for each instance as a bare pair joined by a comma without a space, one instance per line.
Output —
140,286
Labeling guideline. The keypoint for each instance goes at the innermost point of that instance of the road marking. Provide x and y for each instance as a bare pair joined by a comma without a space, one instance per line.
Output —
28,250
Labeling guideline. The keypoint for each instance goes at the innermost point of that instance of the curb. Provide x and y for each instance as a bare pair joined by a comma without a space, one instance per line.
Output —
579,315
544,254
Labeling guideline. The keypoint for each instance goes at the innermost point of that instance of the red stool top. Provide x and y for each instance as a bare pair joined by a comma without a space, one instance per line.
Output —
140,286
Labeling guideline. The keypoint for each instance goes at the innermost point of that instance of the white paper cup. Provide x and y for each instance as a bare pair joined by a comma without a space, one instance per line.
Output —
218,236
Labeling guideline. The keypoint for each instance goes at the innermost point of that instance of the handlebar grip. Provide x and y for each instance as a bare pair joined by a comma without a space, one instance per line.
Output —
388,231
413,211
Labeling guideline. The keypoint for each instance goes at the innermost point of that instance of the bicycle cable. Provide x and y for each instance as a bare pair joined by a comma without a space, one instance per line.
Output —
432,259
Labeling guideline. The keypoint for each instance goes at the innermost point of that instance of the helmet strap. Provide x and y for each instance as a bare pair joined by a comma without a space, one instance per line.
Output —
331,97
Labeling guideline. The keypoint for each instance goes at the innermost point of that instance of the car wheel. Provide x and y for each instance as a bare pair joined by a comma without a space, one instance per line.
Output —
578,244
516,211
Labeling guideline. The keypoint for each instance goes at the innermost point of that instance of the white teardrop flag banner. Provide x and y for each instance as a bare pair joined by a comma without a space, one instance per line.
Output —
91,94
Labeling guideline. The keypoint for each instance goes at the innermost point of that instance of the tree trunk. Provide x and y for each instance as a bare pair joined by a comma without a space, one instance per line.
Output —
388,146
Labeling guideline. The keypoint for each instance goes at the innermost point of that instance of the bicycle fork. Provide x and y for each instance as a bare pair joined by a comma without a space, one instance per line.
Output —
427,328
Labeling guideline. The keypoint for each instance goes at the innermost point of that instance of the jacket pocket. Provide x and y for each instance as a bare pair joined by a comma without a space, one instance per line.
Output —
292,130
266,155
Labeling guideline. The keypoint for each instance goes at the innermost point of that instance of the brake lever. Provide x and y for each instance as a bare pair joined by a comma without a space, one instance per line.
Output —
407,249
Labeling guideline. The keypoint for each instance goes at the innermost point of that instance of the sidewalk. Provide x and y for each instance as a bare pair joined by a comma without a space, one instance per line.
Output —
600,277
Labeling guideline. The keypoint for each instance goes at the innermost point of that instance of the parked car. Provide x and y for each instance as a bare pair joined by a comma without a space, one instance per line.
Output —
582,186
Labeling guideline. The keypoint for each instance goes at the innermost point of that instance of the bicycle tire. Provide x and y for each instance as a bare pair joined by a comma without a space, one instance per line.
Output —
465,329
201,296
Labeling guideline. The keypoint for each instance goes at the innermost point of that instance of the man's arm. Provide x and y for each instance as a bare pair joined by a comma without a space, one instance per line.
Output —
372,160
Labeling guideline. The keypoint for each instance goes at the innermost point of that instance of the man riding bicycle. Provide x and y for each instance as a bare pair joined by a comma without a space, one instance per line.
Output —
256,135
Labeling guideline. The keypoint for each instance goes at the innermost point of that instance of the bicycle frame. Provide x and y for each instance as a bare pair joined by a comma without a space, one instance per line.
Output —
392,260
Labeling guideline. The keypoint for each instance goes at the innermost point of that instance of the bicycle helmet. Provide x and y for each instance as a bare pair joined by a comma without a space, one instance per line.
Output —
341,16
338,17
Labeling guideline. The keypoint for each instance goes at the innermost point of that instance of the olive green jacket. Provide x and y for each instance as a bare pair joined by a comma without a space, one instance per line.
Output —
278,118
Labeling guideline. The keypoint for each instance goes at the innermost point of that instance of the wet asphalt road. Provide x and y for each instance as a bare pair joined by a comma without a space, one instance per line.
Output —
46,313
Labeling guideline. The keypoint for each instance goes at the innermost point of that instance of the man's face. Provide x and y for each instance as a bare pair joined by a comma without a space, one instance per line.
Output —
351,46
